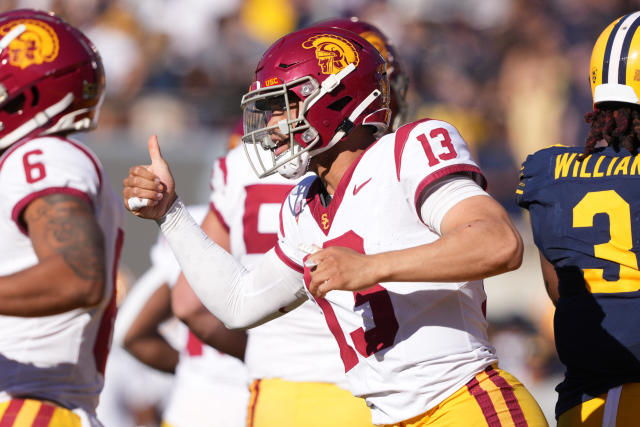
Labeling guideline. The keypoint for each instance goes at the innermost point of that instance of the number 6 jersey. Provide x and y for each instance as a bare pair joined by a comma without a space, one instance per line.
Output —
59,357
405,346
585,217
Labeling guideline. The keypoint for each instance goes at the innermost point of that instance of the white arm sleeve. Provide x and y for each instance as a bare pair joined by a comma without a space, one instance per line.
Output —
445,194
238,297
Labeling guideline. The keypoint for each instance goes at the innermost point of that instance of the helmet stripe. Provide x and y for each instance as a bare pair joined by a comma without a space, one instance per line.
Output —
624,53
606,62
615,54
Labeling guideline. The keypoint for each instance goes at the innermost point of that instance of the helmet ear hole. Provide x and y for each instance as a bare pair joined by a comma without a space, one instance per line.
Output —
35,93
340,103
15,105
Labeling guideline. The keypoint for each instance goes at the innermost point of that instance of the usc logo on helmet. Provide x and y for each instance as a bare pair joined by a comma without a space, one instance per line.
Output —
37,44
332,52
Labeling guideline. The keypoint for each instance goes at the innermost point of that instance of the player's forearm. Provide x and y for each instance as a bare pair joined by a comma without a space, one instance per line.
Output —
188,308
212,332
473,251
237,297
153,350
50,287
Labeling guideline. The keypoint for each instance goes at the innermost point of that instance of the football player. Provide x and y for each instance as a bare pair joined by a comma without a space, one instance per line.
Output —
585,215
390,237
60,222
297,376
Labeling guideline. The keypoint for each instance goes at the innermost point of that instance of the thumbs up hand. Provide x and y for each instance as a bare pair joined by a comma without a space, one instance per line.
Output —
149,190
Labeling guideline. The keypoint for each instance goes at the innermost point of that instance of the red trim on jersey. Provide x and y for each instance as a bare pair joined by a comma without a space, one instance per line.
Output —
288,260
22,204
448,170
103,338
402,134
218,215
484,401
11,413
509,397
251,410
44,415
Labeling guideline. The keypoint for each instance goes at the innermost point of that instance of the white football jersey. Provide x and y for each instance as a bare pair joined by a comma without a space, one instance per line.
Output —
405,346
298,345
61,357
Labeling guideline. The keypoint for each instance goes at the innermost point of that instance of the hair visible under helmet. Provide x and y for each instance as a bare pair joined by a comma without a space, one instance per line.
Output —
615,86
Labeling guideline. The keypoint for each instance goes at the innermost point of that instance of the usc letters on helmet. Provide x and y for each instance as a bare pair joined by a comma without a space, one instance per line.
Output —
337,78
615,62
51,77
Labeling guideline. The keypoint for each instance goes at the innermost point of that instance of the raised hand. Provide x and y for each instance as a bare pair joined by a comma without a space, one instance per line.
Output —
149,190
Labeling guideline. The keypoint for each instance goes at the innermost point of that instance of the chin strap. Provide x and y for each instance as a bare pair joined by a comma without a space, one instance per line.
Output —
37,121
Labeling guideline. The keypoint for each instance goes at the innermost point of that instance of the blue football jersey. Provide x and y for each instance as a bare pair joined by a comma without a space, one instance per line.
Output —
585,215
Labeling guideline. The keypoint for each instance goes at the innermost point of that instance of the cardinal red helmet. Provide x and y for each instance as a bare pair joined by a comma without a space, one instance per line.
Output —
51,77
336,79
398,79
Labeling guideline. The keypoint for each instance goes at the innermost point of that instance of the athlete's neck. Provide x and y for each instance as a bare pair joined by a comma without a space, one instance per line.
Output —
331,165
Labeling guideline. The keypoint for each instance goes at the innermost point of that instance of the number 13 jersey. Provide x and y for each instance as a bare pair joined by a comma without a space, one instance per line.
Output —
405,346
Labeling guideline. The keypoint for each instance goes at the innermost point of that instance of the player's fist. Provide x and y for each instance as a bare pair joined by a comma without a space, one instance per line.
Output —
149,190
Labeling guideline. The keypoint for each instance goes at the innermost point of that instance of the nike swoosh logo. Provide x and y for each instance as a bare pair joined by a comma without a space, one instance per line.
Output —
357,188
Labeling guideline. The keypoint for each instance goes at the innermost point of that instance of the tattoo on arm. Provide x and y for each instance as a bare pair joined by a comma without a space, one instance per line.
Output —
66,225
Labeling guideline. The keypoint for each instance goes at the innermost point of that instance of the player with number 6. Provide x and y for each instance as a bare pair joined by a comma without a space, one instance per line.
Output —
60,226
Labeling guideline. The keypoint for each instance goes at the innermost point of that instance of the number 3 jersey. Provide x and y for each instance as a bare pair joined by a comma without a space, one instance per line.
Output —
405,346
585,217
61,357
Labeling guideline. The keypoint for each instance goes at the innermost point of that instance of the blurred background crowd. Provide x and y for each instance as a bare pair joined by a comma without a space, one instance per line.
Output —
511,75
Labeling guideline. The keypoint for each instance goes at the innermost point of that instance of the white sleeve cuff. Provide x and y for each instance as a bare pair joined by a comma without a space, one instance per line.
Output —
444,195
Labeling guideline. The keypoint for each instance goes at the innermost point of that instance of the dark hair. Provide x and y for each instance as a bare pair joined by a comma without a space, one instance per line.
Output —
617,123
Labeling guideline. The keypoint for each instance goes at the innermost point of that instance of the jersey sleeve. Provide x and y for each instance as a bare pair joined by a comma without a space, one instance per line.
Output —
48,166
220,191
162,258
428,150
533,174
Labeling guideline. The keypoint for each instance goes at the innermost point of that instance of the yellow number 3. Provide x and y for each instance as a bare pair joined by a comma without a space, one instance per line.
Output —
617,249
